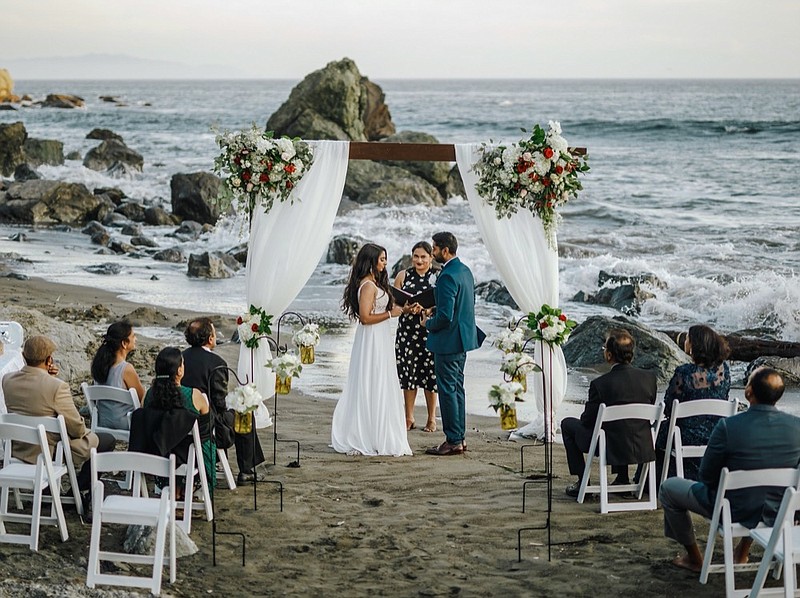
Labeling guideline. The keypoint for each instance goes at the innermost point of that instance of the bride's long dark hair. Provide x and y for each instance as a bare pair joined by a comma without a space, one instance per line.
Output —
366,263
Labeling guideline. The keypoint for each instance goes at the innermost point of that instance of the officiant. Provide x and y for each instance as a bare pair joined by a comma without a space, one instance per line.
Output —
414,361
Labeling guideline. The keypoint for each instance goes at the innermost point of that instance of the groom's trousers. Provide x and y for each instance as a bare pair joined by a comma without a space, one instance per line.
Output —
449,368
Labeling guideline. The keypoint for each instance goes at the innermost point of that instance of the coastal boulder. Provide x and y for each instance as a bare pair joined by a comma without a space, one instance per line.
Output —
655,351
172,255
436,173
343,250
789,368
156,216
62,100
334,102
24,172
374,182
192,194
110,153
48,202
131,210
455,184
44,151
104,135
12,147
494,291
212,265
622,292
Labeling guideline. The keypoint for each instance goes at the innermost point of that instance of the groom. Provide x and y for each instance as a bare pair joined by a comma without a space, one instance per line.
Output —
451,333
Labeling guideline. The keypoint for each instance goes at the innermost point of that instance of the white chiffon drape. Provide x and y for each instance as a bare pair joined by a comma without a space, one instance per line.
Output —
286,245
529,268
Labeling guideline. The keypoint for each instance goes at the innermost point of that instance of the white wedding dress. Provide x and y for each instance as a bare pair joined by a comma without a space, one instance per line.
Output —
369,418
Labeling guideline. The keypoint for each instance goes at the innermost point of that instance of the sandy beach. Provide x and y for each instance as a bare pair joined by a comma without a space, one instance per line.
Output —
358,526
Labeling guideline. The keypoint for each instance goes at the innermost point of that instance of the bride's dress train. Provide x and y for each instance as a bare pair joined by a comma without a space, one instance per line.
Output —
369,417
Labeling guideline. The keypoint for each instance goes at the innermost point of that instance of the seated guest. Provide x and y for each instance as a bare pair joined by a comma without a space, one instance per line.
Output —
629,441
761,437
708,377
110,369
35,390
168,413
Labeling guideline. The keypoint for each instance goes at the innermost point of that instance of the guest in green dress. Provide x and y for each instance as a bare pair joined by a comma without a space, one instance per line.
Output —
167,394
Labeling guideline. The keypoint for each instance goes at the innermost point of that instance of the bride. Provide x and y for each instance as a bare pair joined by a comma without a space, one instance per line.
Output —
369,417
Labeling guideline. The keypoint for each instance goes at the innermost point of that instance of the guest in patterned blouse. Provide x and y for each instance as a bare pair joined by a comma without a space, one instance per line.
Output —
414,361
708,377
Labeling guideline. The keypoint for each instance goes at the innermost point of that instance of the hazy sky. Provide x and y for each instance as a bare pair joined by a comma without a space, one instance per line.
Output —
418,38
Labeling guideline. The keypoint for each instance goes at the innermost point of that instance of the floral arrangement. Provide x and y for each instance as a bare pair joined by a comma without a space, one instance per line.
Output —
243,399
256,168
252,325
538,174
517,364
307,336
286,365
551,325
510,340
504,394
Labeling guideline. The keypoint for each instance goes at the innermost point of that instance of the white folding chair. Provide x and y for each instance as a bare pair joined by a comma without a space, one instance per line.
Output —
136,509
195,466
781,544
97,393
723,525
63,455
12,335
227,474
638,411
36,478
675,447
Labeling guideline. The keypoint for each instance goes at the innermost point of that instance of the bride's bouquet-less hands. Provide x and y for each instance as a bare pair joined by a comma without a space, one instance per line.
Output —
257,169
538,174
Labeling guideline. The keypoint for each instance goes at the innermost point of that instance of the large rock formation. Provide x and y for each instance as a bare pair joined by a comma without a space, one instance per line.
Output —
192,194
111,153
436,173
12,147
62,100
335,102
375,182
49,202
44,151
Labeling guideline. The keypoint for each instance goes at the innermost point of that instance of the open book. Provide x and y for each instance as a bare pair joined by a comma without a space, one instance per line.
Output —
425,298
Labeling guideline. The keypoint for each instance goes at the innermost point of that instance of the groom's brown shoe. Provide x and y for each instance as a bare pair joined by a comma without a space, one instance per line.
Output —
446,449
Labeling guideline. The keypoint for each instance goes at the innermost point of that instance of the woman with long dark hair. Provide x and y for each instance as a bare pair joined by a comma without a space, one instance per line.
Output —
167,394
110,368
707,377
368,419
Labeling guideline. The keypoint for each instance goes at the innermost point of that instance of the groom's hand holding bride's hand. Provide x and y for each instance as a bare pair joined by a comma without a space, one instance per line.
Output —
396,311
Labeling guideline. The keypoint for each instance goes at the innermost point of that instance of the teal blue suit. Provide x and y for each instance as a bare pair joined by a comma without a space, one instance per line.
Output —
451,333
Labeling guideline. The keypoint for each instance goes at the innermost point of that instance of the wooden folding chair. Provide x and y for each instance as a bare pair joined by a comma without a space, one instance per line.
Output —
639,411
136,509
675,447
723,525
36,478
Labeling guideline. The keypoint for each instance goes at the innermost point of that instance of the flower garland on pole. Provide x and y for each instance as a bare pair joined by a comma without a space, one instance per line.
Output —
538,174
257,169
252,325
550,325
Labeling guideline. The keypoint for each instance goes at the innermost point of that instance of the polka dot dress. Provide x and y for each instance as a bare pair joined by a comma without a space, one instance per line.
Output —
414,361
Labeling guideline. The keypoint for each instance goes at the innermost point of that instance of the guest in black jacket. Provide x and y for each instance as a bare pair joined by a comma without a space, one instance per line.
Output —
628,441
208,371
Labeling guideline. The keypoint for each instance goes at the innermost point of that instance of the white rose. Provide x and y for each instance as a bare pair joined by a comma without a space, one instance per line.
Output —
549,333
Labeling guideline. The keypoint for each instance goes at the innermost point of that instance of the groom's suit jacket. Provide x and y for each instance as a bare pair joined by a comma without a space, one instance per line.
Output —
452,328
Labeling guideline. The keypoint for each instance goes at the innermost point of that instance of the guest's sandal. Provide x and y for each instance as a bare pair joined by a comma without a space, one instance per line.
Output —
429,427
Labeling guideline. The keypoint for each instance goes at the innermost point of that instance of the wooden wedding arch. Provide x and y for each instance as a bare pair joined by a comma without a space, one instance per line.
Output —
415,152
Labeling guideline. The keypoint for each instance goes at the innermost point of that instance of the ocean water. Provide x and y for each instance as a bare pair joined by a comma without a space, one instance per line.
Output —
693,181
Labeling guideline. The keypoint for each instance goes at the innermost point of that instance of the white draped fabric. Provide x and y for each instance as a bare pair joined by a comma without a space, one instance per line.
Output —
286,245
529,268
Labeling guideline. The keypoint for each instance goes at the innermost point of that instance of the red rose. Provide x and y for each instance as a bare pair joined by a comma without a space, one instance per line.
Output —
548,152
246,175
562,317
239,321
269,166
254,327
289,184
237,160
546,181
263,178
521,166
559,169
533,176
542,325
289,168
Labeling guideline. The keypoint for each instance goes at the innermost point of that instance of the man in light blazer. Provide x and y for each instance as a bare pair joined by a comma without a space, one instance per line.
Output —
451,333
628,441
35,390
760,438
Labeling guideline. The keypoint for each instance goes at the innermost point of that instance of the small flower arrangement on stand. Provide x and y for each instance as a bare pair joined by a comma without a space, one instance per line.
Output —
510,339
502,398
550,325
257,169
244,400
306,338
252,325
286,367
518,366
538,174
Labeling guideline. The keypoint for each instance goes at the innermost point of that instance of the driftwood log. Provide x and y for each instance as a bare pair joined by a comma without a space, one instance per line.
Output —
745,348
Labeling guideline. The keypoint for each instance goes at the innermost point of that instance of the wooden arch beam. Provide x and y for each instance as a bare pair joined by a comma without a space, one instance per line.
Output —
419,152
